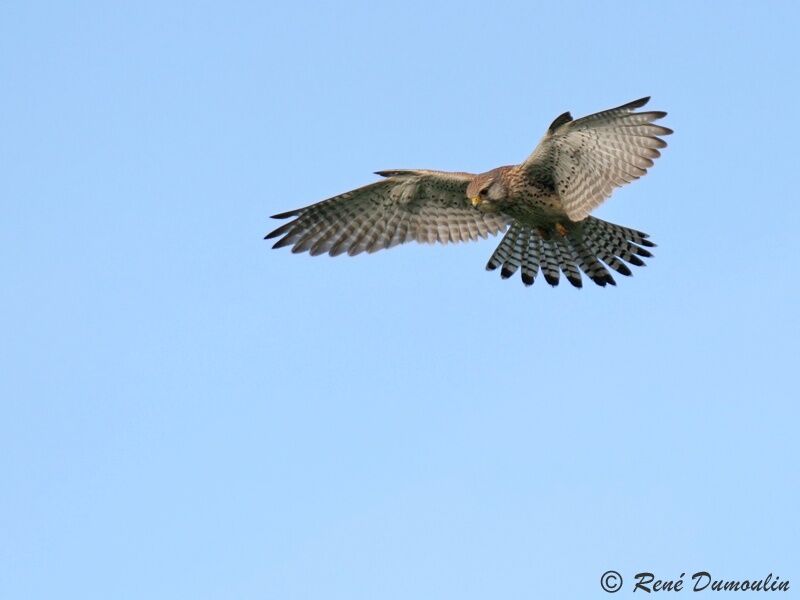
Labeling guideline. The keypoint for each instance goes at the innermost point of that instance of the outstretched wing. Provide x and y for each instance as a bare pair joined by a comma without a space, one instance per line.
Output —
585,160
425,206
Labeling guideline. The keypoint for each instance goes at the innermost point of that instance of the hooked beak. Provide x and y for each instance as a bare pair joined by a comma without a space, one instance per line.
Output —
475,200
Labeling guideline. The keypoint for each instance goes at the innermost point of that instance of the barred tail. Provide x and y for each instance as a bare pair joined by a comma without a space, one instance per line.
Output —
570,249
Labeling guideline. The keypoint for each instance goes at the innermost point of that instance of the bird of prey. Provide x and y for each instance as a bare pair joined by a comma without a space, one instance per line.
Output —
543,202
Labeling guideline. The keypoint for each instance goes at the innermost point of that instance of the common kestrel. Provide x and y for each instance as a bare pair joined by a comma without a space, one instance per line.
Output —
545,203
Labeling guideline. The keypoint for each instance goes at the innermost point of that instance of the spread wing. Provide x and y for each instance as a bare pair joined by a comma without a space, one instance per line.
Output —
425,206
585,160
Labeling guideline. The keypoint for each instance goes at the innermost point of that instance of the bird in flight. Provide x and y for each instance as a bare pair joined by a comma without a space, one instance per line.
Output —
544,203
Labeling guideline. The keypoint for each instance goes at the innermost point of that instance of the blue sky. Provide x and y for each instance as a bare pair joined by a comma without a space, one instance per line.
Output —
189,414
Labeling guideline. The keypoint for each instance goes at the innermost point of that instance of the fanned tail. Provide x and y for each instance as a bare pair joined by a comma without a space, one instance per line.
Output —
591,246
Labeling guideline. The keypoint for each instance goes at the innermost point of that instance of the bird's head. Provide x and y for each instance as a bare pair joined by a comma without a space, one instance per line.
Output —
485,191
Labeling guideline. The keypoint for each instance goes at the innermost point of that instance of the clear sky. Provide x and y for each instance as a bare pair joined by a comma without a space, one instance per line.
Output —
189,414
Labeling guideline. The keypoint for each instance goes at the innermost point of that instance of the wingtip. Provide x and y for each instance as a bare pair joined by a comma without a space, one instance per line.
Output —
560,120
281,243
393,172
287,214
279,231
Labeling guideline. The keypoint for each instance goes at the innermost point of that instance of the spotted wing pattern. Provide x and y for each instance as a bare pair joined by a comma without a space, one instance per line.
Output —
585,160
420,205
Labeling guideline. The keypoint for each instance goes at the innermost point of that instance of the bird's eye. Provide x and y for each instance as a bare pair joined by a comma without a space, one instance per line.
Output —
483,192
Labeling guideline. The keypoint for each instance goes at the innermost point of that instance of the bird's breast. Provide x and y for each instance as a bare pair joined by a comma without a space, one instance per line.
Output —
536,205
